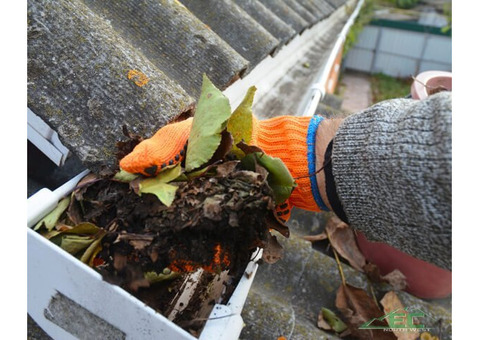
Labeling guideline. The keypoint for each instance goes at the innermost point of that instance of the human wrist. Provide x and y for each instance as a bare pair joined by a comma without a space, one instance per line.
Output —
325,133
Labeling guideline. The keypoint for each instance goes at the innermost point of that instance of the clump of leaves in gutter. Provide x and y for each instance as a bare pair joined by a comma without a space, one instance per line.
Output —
211,212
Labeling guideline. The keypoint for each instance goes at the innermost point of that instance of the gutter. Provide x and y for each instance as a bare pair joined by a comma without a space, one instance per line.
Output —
318,88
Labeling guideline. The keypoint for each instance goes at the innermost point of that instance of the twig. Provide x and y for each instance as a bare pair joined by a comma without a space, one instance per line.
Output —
340,270
373,293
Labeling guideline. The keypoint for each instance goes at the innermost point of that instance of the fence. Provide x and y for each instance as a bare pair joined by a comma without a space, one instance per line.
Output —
400,49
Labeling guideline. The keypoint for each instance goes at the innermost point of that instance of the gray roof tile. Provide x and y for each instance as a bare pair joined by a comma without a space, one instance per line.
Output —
87,82
95,66
312,7
173,39
236,27
300,10
268,20
284,12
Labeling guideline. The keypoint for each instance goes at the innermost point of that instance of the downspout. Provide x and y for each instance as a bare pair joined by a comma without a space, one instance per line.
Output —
318,88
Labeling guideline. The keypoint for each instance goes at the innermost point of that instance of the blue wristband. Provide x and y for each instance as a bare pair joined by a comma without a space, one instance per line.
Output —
311,134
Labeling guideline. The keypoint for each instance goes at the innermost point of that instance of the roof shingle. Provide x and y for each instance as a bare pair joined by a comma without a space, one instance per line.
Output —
236,27
173,39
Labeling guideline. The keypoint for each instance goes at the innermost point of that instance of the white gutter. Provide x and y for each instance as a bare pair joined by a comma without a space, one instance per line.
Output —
318,88
270,71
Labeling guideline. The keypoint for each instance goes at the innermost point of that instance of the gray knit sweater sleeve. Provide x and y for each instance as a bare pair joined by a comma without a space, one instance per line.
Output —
392,168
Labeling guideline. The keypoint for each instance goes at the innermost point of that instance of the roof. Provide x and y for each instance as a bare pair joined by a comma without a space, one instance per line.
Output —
96,66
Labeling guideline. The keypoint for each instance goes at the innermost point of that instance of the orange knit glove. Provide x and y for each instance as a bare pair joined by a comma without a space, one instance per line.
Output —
290,138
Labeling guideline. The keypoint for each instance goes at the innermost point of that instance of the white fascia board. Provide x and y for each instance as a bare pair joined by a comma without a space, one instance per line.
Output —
45,139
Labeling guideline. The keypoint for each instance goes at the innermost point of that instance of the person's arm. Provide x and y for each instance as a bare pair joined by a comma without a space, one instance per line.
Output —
391,173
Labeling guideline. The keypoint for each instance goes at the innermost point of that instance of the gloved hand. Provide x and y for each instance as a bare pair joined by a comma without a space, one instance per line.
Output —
290,138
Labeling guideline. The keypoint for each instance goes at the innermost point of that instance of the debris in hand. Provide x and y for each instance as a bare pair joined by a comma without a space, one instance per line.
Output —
185,236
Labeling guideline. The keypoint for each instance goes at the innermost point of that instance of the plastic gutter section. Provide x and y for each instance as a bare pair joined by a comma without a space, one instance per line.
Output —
71,289
269,73
318,88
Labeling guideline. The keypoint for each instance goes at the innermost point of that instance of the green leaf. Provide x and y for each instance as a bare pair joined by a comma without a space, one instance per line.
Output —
211,117
159,185
167,175
334,321
78,238
240,124
83,228
279,178
154,277
51,219
75,243
124,176
93,249
165,192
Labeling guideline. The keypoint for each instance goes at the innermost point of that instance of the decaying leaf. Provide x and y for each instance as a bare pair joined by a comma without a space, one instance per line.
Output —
357,308
167,274
51,219
327,320
342,238
322,323
274,223
226,168
240,124
85,228
390,302
223,148
84,236
396,279
73,244
247,149
279,177
314,238
83,185
211,117
93,249
137,241
272,251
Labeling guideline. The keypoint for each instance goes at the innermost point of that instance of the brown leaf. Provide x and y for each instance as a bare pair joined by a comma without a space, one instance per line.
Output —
373,272
396,279
273,222
314,238
343,240
74,211
137,241
249,148
119,261
272,251
358,307
261,171
83,185
226,168
390,303
322,324
225,146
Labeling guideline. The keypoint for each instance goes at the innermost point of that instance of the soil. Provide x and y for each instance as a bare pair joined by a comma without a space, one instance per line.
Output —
200,245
